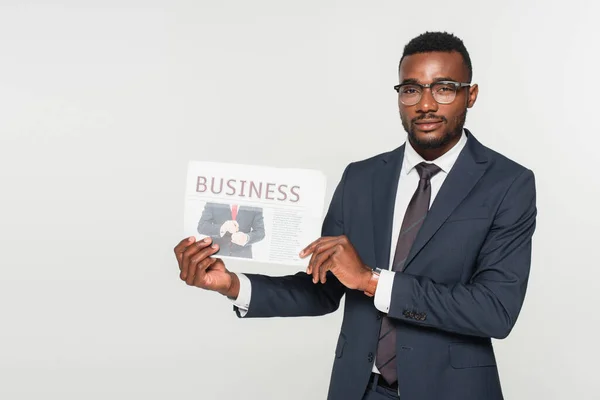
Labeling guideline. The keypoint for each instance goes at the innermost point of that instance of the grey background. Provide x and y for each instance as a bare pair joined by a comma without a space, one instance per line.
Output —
102,104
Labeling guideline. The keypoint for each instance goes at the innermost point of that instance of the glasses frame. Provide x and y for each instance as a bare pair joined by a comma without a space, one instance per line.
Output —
457,85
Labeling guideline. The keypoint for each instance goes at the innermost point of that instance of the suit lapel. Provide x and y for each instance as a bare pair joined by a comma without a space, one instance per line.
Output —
385,184
468,169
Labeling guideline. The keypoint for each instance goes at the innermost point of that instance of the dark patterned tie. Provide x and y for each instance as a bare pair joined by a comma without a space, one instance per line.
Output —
413,219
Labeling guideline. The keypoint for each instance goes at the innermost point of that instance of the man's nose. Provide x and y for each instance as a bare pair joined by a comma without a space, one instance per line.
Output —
427,102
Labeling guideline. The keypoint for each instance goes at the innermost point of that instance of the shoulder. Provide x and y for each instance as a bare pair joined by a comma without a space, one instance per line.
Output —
504,167
503,161
508,176
216,206
501,166
365,167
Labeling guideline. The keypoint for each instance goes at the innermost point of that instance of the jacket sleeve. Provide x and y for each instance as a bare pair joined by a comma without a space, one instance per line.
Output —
258,228
489,304
296,295
207,225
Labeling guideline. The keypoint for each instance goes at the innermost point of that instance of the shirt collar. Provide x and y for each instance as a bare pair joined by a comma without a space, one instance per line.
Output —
445,162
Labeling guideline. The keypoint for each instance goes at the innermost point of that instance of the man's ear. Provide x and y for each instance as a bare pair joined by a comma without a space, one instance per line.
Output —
473,92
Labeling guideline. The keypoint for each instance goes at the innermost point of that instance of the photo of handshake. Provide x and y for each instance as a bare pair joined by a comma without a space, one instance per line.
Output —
237,237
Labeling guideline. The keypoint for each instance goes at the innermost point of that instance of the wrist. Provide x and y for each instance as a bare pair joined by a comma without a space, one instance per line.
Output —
233,291
372,279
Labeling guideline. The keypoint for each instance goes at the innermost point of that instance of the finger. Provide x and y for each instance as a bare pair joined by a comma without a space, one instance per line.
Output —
203,254
191,273
200,277
196,261
190,252
181,246
198,265
320,248
320,272
311,247
318,259
327,266
315,270
193,267
331,262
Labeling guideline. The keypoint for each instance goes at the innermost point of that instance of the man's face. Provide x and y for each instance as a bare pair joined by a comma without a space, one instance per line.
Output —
431,125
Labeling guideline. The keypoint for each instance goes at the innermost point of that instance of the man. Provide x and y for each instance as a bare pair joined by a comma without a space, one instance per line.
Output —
233,228
430,243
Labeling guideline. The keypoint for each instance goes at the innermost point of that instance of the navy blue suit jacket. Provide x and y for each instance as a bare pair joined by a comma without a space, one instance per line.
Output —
464,282
249,219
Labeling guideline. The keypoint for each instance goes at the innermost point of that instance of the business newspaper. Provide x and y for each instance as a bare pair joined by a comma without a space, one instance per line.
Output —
257,213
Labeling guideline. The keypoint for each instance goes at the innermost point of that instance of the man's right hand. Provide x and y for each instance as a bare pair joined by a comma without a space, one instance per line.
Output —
229,226
198,268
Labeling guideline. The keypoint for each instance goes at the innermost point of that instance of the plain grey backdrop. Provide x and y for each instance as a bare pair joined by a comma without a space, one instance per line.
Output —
102,104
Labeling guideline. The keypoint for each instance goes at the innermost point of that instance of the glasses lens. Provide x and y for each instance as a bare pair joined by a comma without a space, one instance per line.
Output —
410,94
443,92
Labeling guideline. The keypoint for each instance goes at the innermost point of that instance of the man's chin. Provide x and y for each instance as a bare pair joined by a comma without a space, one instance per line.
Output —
429,140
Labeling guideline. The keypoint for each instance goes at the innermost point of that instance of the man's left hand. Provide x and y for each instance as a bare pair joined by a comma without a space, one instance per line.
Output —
336,254
240,238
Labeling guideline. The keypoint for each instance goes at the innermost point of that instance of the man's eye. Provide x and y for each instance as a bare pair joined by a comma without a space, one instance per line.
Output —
445,89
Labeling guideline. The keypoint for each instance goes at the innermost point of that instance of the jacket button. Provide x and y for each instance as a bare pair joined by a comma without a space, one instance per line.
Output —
371,357
378,315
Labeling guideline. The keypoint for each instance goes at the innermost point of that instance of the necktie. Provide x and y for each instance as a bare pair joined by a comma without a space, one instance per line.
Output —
234,211
413,219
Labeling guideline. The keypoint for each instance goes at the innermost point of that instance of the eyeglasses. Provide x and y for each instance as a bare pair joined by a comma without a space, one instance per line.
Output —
444,92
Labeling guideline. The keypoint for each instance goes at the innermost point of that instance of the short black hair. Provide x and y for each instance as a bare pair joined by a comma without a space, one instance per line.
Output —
438,41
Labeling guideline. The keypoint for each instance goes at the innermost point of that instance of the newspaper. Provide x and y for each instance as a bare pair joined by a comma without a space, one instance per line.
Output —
255,213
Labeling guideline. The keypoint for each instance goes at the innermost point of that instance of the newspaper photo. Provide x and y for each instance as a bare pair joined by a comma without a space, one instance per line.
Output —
255,213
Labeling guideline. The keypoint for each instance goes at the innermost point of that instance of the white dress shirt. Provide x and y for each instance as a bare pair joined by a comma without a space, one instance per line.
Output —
407,184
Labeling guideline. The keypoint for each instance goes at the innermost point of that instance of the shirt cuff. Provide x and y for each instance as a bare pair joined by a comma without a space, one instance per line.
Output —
383,294
243,300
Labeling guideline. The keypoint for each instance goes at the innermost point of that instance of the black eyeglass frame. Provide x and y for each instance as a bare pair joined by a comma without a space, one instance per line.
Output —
457,86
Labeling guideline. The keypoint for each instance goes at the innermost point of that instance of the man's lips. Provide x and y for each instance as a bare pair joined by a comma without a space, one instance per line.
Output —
428,125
